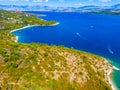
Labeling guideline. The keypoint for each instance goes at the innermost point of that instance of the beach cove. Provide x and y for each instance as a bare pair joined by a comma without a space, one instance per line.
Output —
76,34
29,26
46,66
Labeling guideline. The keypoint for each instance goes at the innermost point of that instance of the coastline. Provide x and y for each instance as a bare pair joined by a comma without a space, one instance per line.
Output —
110,82
16,38
109,78
28,26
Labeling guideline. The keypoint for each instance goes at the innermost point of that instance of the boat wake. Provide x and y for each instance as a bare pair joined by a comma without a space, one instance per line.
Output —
78,34
110,50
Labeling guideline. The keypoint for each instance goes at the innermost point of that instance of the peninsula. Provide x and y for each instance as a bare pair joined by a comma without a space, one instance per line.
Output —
38,66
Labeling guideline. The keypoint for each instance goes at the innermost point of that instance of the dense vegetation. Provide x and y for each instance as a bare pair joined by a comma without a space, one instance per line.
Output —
41,67
12,20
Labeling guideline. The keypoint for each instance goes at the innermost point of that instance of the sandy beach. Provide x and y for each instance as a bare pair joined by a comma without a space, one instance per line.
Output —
16,39
109,79
20,28
32,26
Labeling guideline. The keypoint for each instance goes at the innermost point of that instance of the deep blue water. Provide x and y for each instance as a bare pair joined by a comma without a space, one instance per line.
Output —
95,33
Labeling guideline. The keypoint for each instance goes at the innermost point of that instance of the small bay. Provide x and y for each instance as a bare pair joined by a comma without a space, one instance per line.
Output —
95,33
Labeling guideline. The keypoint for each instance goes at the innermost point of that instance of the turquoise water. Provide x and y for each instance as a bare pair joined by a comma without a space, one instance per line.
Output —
95,33
116,75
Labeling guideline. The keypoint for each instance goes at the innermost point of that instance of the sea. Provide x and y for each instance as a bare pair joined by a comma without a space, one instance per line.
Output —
95,33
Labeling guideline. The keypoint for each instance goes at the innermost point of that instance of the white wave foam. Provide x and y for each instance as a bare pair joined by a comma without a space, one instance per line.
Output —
116,68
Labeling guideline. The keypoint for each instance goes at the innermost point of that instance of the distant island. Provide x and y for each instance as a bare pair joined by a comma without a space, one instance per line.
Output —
38,66
114,9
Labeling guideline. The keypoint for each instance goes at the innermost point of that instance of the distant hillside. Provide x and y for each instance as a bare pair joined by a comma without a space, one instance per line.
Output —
117,6
25,8
115,9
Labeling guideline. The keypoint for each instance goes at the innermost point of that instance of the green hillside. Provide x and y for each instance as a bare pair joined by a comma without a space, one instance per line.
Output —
41,67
